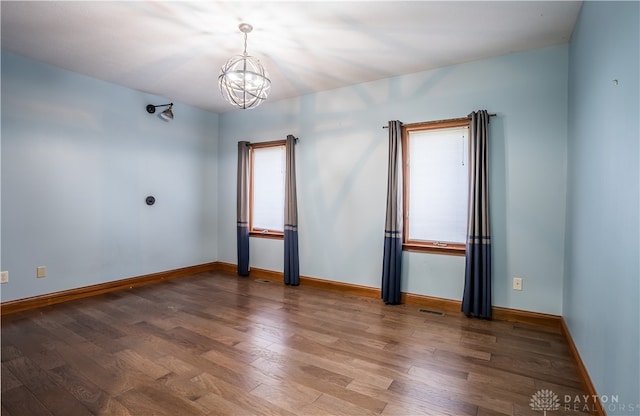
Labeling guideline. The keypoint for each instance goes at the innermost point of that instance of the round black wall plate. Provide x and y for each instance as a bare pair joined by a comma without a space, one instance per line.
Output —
150,200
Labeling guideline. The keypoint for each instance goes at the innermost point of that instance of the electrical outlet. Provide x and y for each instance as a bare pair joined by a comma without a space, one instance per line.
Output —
41,271
517,283
4,277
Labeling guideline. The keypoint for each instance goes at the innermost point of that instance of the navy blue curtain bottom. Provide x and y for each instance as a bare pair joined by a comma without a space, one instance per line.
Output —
391,270
291,261
243,250
476,300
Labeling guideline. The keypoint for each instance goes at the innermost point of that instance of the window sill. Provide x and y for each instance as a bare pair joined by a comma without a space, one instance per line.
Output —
274,235
452,250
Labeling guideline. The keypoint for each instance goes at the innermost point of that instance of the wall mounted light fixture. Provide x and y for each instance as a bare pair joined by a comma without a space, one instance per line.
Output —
166,115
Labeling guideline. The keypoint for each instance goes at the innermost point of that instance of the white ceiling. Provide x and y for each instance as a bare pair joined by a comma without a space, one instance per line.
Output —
175,49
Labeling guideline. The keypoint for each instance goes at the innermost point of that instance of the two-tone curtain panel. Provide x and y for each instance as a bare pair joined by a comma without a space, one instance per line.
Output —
291,261
392,260
242,207
476,300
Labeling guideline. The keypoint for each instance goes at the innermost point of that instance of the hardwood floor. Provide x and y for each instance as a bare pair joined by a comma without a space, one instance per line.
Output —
218,344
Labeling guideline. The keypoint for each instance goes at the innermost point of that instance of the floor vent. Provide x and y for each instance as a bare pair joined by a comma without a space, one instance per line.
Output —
432,312
263,280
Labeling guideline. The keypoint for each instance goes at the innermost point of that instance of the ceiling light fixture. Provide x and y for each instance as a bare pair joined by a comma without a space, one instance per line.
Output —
166,115
243,80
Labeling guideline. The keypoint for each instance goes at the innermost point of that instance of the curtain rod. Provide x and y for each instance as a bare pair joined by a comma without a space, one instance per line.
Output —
439,121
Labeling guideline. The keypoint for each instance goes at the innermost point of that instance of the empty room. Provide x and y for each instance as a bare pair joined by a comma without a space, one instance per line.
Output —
320,208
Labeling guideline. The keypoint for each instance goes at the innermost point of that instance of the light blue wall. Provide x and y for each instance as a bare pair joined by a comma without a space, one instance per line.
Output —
601,286
79,156
341,168
74,176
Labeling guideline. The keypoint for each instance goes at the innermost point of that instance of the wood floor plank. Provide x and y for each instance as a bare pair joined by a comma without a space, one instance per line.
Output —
250,403
134,360
218,406
178,366
217,344
329,383
4,411
406,408
504,380
20,401
155,400
430,395
329,360
89,394
289,396
84,362
335,406
41,384
8,380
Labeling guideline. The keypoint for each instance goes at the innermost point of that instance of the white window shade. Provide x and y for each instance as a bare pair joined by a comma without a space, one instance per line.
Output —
438,178
268,188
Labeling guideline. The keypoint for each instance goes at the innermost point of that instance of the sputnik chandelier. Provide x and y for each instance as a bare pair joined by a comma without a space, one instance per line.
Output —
243,80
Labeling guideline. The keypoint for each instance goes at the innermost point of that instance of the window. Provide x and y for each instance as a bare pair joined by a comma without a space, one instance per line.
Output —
436,182
266,206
